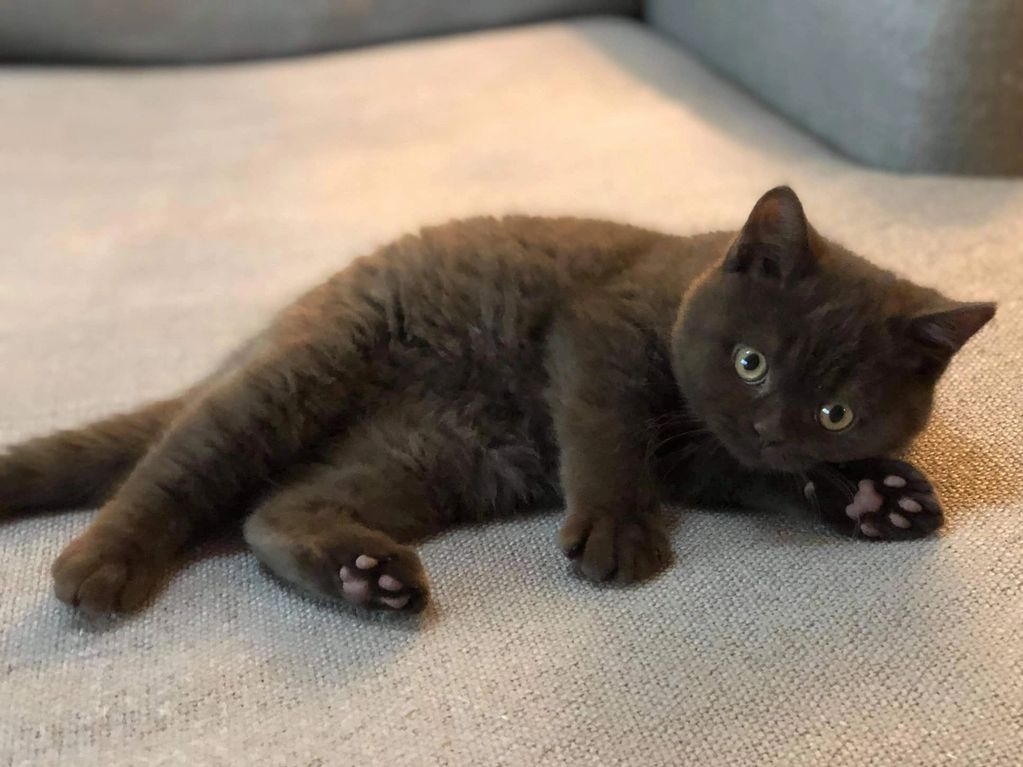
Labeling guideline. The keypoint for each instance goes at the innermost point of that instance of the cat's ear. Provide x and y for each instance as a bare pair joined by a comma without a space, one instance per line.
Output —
775,242
931,337
939,334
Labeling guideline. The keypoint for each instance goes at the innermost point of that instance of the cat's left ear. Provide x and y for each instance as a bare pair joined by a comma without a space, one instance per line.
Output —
940,334
776,242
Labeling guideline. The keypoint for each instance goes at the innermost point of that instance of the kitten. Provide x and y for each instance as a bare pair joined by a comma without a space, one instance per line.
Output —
490,365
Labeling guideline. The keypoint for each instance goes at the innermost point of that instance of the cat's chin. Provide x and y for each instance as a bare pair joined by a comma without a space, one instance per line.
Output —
787,465
771,459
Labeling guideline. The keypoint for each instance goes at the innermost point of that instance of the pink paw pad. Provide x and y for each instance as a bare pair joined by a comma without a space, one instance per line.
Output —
356,591
360,585
869,530
866,501
894,481
396,603
908,504
898,520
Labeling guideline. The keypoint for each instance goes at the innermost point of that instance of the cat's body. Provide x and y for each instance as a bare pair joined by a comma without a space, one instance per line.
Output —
489,366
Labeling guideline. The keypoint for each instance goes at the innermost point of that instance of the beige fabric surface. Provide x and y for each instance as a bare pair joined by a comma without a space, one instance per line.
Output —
152,219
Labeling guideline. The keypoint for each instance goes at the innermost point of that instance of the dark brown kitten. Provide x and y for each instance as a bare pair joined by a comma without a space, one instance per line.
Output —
489,365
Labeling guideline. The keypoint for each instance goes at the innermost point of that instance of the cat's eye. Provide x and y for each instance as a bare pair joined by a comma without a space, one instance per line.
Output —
835,416
750,364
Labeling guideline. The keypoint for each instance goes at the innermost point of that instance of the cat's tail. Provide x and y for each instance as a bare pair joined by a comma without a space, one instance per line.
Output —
80,468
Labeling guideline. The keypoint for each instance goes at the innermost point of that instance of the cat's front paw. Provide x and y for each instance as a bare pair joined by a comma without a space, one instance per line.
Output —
605,546
104,571
879,499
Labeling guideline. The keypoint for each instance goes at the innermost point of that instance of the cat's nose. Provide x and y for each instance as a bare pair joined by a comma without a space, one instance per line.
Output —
768,431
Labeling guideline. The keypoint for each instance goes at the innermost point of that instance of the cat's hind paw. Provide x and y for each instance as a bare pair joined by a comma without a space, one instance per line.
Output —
346,561
387,583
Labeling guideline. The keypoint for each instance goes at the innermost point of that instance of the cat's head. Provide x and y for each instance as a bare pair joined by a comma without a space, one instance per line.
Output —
794,351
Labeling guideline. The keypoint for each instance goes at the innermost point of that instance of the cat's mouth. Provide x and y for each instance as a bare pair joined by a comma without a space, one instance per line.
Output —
781,457
784,458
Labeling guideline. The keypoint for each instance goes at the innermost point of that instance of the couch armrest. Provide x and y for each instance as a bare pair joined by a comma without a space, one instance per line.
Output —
915,85
178,31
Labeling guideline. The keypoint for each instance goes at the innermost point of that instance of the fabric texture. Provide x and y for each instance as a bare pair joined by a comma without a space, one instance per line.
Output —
153,219
917,85
183,31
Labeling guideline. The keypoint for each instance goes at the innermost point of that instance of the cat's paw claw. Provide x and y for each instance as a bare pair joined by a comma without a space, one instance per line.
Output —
605,547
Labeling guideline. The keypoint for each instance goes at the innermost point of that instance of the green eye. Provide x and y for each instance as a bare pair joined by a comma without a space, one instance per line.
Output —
750,364
835,416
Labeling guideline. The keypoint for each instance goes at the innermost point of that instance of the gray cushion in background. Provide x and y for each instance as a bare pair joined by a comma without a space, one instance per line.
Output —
916,85
179,31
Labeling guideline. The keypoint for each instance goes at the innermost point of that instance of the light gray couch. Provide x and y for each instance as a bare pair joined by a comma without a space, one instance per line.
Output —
190,31
918,85
152,218
915,85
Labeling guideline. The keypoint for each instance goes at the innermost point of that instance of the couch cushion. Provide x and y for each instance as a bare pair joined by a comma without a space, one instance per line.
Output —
918,85
152,219
207,30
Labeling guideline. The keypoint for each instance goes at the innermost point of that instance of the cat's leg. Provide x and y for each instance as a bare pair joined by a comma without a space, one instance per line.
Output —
79,468
877,499
600,405
341,528
340,532
250,424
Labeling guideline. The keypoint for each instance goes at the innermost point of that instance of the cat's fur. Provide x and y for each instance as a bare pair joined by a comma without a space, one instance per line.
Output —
486,366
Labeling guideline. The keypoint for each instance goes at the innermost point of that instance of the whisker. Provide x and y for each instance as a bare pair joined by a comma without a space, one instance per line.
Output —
709,447
674,437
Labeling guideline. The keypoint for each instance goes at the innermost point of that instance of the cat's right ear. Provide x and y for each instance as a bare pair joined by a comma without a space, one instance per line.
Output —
775,242
939,334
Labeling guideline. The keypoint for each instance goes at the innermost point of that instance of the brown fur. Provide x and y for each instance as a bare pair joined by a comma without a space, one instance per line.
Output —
486,366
